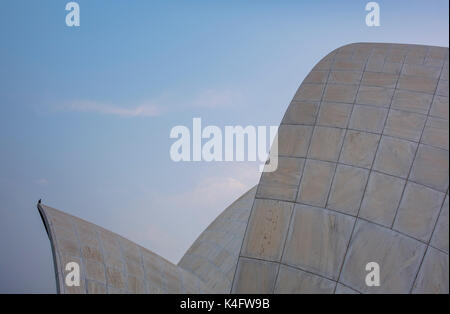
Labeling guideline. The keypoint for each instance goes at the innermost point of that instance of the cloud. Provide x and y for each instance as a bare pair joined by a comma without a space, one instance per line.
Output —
41,181
214,98
216,189
143,110
210,191
168,222
207,99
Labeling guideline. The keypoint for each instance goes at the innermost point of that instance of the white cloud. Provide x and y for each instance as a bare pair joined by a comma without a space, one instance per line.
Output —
208,99
216,190
214,98
143,110
168,222
41,181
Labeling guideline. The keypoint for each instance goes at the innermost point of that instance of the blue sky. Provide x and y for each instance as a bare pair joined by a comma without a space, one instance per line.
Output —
85,113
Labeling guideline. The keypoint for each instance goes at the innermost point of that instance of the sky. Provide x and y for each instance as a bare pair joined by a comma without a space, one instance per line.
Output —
86,112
